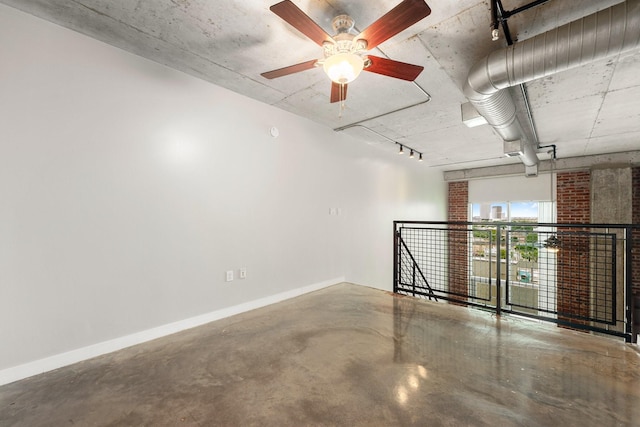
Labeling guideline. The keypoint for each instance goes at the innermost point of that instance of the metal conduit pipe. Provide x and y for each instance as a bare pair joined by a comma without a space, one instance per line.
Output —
603,34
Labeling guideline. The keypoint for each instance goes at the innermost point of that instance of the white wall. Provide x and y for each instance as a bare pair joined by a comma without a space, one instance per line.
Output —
127,189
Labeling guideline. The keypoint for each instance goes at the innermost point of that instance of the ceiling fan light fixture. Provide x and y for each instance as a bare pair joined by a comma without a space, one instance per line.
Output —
343,68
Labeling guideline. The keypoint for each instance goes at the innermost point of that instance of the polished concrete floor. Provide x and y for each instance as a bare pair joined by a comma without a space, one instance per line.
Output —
346,355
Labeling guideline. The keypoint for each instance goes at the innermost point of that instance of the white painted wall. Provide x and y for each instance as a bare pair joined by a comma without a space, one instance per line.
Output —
127,189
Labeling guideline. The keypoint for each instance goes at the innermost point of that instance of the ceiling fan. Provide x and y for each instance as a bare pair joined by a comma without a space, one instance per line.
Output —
345,53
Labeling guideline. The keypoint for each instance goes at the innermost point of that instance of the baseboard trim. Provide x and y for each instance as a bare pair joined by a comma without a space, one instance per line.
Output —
26,370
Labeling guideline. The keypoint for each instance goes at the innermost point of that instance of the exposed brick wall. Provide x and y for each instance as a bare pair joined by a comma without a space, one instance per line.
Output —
635,218
458,209
574,197
573,278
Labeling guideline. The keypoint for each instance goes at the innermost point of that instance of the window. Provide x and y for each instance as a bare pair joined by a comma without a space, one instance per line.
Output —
530,211
517,253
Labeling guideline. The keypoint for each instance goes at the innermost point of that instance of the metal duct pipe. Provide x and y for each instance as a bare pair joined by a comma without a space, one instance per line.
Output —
600,35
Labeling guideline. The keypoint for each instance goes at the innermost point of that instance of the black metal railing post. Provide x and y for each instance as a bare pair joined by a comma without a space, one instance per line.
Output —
413,278
498,271
490,265
628,289
396,256
507,264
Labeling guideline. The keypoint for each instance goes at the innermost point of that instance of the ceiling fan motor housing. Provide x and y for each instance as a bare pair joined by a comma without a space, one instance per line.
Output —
343,24
344,39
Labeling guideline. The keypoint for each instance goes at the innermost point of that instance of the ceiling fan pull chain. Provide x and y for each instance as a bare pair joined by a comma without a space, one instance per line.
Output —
343,100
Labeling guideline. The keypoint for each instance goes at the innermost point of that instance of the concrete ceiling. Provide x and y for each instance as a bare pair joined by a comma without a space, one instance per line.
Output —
586,111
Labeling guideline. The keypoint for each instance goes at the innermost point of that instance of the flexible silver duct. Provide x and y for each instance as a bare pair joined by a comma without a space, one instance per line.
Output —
600,35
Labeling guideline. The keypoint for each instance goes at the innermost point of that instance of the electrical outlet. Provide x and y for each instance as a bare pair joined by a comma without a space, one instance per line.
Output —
242,273
230,276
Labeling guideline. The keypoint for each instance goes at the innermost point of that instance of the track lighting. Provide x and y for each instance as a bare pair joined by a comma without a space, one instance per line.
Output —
412,153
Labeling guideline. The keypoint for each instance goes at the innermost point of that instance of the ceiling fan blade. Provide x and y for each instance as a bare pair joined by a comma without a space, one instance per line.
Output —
391,68
290,69
338,92
301,21
404,15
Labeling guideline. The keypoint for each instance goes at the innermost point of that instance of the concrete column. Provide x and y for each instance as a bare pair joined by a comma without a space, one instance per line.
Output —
611,195
611,203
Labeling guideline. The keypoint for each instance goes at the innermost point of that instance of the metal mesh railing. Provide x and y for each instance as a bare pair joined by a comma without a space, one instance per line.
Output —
574,275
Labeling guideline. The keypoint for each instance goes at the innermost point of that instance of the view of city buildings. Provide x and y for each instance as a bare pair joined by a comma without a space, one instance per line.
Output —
519,249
